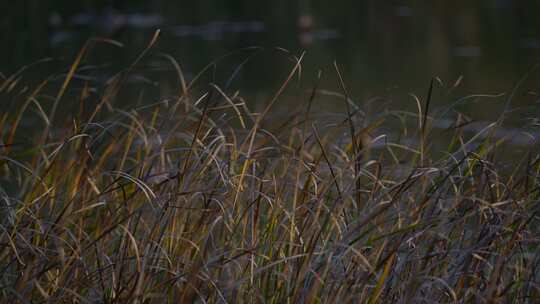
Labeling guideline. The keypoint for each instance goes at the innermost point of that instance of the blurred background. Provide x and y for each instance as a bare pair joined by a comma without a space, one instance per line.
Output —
381,45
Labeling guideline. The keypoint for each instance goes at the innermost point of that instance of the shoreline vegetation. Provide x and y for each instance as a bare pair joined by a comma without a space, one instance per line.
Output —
198,198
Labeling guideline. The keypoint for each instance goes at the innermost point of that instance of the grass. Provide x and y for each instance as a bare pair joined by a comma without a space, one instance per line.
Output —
196,198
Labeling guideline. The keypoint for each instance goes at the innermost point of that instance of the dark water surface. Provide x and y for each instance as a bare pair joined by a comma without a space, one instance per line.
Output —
385,48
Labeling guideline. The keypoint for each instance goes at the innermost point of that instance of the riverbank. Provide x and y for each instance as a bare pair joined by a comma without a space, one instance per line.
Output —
199,197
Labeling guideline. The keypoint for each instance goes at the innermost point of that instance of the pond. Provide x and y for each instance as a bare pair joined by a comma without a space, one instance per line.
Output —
384,48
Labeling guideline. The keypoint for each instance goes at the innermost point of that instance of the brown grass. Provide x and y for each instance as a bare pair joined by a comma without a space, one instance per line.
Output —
195,198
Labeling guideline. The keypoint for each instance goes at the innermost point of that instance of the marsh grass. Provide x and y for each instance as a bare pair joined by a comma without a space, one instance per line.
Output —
197,198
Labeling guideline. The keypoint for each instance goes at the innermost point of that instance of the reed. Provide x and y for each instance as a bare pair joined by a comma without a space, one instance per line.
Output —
196,198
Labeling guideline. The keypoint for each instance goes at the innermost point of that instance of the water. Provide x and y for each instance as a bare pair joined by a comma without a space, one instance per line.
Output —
385,48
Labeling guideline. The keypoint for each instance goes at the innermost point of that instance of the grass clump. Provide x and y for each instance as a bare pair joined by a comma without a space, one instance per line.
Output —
197,198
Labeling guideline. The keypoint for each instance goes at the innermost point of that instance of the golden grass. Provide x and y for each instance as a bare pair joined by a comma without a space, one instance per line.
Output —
198,199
